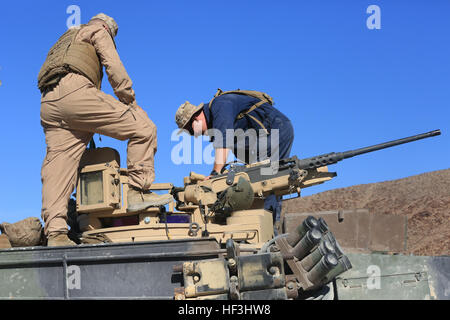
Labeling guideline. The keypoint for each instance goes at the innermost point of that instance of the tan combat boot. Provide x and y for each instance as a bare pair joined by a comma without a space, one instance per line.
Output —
140,200
59,239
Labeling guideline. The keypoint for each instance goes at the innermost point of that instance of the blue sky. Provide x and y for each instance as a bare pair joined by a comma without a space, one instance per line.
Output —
343,85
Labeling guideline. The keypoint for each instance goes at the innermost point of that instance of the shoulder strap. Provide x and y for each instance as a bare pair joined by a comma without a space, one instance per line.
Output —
263,97
255,94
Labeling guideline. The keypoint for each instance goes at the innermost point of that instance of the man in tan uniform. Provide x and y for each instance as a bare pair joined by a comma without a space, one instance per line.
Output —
73,108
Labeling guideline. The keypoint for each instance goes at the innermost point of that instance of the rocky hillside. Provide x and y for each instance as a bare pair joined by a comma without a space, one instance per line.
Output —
424,199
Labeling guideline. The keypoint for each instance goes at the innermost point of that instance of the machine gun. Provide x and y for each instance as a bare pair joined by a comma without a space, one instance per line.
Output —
230,205
281,177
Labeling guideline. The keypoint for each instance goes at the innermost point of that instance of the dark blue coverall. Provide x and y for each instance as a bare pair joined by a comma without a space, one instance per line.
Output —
222,116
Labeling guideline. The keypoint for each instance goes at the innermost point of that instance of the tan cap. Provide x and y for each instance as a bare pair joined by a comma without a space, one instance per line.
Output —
113,27
185,113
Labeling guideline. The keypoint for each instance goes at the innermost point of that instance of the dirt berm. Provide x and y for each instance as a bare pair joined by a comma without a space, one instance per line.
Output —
424,199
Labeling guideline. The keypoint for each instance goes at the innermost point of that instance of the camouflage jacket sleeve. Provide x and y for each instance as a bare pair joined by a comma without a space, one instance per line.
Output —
117,75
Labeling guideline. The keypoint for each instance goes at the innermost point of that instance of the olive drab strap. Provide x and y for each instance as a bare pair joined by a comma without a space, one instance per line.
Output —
263,97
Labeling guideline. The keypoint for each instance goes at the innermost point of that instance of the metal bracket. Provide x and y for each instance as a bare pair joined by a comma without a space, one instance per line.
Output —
237,277
230,175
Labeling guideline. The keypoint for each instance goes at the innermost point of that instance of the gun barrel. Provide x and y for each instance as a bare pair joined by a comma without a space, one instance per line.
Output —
334,157
352,153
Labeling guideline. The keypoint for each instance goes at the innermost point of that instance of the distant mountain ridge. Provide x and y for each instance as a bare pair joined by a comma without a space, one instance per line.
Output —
423,198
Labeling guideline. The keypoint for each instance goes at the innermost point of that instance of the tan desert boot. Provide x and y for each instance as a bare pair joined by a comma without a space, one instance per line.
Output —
140,200
59,240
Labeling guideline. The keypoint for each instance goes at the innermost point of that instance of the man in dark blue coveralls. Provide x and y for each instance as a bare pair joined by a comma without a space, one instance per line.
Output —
246,110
